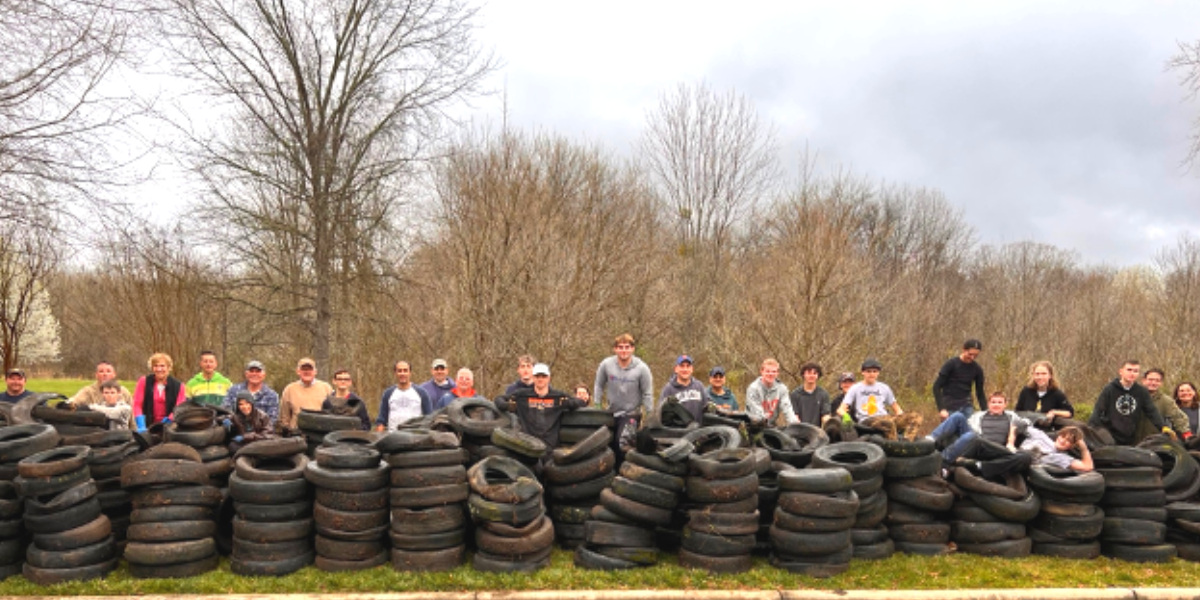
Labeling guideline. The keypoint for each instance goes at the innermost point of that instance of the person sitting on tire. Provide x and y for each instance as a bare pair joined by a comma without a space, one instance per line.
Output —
996,425
540,408
1043,394
1054,453
343,400
870,400
767,400
1123,404
249,423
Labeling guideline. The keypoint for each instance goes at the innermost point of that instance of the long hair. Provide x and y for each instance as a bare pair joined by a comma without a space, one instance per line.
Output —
1050,385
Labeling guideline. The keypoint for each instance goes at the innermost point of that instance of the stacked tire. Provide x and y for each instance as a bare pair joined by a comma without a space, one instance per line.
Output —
812,529
197,426
575,476
109,451
72,538
918,498
16,443
1134,505
428,490
512,531
273,526
315,425
351,511
172,525
66,419
620,534
19,441
992,522
1183,529
1069,524
865,462
475,419
578,425
768,497
723,482
12,538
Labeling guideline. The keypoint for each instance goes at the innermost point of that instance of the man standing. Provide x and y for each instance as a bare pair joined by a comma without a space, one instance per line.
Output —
524,375
627,384
811,400
687,390
717,394
440,383
767,398
1153,380
952,388
308,393
15,390
464,387
540,408
402,401
1123,404
208,387
263,397
90,395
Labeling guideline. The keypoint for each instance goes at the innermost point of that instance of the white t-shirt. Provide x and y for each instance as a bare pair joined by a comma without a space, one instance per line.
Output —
869,400
402,406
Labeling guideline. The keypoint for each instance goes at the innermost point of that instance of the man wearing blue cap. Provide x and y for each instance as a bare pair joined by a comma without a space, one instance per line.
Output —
685,388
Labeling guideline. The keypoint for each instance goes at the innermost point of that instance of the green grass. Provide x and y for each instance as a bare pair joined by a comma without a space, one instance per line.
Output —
66,387
898,572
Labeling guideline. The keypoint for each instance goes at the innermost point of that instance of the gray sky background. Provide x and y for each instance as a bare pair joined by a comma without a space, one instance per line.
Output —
1046,121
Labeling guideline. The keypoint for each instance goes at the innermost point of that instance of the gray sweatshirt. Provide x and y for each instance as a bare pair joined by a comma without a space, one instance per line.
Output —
626,388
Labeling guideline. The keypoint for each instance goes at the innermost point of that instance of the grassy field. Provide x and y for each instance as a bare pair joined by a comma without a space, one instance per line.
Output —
898,572
66,387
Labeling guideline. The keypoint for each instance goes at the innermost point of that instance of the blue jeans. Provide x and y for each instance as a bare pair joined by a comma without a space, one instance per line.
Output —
955,424
965,411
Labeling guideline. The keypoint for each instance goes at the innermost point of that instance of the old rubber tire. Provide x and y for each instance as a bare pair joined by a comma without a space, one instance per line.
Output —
714,564
1015,548
595,442
434,560
862,459
815,480
270,568
99,552
82,573
168,553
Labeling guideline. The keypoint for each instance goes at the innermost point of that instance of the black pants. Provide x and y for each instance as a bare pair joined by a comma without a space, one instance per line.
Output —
995,459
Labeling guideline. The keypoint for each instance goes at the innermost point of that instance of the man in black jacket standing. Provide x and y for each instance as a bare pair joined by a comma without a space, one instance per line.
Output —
952,389
1123,403
540,408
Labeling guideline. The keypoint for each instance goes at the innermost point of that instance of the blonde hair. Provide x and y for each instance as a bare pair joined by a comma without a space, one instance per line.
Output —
770,362
160,357
1050,385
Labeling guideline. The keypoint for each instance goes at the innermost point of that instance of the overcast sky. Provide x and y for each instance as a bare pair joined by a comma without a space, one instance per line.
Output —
1046,121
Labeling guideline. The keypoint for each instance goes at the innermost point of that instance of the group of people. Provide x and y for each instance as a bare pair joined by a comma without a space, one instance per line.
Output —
1130,408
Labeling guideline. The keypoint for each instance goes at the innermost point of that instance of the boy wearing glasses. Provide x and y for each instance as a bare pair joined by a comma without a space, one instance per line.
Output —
344,401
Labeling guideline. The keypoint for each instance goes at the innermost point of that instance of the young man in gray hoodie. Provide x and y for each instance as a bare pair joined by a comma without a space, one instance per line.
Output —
629,388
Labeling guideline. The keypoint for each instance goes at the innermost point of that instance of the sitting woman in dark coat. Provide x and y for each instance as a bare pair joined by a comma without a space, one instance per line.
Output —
249,423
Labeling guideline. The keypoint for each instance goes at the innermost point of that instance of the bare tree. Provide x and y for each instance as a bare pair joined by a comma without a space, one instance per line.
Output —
1187,63
331,104
55,120
712,160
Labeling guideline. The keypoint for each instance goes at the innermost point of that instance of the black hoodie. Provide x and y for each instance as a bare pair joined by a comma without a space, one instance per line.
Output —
540,415
1119,411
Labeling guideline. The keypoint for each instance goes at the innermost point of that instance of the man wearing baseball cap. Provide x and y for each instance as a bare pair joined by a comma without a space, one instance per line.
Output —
717,394
540,408
264,398
307,393
685,389
439,384
15,390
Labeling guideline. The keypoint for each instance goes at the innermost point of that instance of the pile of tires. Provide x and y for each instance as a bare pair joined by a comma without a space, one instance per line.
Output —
109,451
768,497
72,538
812,530
577,425
19,441
68,420
315,425
200,427
1134,505
620,533
475,419
575,476
351,510
918,499
13,542
1070,522
512,531
865,462
723,482
172,525
991,520
273,525
1183,529
16,443
428,490
794,444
